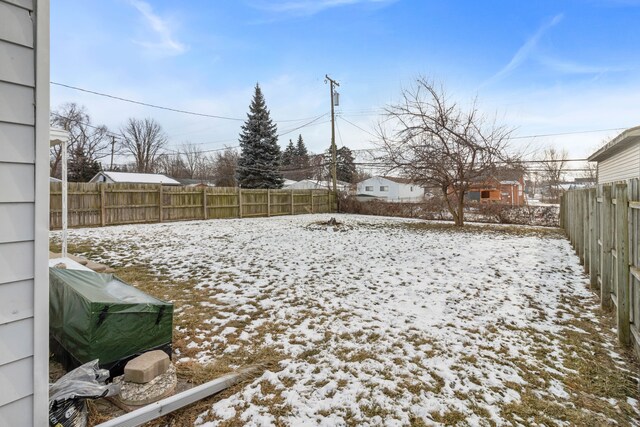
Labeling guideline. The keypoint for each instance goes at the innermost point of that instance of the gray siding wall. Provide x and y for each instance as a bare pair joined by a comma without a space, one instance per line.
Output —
18,30
621,166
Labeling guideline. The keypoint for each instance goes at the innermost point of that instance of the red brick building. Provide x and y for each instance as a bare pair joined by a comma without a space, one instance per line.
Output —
506,187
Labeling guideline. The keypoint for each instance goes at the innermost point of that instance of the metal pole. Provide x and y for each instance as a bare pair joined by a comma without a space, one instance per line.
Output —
64,198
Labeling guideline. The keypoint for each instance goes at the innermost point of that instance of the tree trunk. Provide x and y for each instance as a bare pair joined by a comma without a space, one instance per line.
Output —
460,208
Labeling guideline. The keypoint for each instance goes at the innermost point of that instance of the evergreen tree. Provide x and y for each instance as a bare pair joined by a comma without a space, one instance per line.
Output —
302,159
259,162
81,167
345,165
288,155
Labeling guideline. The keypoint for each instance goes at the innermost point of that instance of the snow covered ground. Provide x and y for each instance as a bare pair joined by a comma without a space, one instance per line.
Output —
382,321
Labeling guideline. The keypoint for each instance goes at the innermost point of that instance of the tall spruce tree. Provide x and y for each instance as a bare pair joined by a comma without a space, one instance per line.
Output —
288,155
302,155
345,165
259,162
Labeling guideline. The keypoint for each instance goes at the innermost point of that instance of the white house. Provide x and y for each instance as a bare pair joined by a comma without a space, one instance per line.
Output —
133,178
312,184
619,160
390,188
24,212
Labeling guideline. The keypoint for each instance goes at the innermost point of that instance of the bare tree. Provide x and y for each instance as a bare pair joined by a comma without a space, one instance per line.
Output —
193,159
87,143
437,143
552,171
144,139
224,165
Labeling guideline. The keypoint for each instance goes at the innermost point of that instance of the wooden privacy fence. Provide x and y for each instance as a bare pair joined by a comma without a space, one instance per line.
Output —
111,204
603,225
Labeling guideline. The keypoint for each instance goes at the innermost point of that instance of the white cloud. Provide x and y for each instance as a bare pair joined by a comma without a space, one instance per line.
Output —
311,7
569,67
525,50
167,43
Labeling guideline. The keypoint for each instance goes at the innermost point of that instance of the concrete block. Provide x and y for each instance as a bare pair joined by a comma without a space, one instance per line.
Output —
146,367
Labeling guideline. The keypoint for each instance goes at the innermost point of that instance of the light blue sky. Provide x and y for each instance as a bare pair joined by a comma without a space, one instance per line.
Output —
544,66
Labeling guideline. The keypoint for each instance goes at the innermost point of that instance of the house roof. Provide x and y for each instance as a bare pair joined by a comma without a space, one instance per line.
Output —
398,179
625,139
138,178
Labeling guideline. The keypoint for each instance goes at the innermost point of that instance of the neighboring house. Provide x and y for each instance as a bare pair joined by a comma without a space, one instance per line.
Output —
390,188
619,160
133,178
24,212
505,187
311,184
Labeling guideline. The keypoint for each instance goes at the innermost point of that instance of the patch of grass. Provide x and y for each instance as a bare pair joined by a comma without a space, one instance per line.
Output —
450,417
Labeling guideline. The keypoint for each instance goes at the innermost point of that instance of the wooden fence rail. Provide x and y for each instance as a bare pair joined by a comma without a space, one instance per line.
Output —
603,225
92,204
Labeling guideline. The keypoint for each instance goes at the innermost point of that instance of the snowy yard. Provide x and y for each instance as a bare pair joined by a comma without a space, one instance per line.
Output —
382,322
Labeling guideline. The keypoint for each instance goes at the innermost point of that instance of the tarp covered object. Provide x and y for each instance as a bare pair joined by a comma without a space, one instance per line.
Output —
98,316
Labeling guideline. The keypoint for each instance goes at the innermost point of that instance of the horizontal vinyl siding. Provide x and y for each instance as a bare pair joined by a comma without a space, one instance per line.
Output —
20,409
621,166
13,346
18,67
17,381
18,291
17,26
16,103
16,143
17,222
18,182
26,4
17,301
16,262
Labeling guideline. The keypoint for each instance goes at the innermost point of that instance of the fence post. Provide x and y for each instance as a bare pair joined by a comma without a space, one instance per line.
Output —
563,201
292,205
160,215
593,239
606,273
240,202
103,210
585,229
204,203
268,202
622,250
311,191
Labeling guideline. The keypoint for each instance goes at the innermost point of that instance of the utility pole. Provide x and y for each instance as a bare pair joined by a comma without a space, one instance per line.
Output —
333,83
113,144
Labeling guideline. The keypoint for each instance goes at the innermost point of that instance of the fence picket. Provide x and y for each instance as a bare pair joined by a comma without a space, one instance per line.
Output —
603,226
93,204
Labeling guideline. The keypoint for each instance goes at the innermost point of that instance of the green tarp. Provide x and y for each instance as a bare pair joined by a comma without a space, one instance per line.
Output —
98,316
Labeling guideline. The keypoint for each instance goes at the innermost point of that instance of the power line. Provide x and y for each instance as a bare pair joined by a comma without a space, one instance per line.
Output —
355,125
161,107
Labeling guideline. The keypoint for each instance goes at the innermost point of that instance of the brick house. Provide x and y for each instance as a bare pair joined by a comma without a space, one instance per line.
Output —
505,187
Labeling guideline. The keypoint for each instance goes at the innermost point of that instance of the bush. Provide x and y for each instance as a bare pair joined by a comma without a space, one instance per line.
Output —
435,209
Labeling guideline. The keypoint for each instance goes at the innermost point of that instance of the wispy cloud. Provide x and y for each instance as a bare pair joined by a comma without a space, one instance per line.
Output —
525,50
569,67
311,7
167,43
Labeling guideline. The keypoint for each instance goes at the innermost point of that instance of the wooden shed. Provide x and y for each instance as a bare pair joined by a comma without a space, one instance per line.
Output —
619,159
24,206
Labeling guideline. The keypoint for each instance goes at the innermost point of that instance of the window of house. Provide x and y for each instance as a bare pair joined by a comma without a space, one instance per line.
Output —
368,188
485,194
384,188
411,188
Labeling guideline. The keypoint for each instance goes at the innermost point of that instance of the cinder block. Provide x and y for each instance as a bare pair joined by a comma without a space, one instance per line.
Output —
146,367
